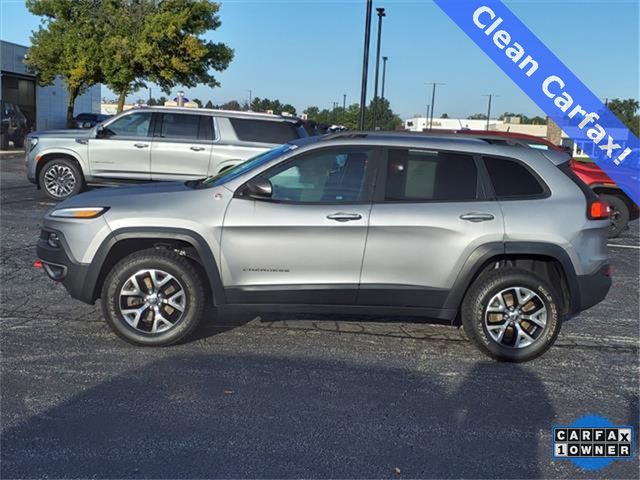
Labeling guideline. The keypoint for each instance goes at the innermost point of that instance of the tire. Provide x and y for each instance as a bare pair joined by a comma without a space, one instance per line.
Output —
485,289
185,279
60,178
619,214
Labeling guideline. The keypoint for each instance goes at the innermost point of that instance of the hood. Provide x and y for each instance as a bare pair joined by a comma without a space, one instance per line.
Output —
70,133
126,196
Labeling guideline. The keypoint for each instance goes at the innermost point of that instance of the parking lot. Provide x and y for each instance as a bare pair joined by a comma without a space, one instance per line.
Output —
295,396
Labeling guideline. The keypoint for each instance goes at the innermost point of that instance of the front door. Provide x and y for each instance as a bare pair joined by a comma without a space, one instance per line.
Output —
123,148
305,244
428,217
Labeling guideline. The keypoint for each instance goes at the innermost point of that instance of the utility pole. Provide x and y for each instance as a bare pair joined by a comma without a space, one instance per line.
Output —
365,63
384,73
344,107
250,98
490,95
375,82
433,101
426,118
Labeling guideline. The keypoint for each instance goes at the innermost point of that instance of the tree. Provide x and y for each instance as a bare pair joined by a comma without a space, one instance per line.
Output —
68,44
152,102
444,115
172,50
287,107
477,116
233,105
198,101
627,112
209,104
385,119
162,100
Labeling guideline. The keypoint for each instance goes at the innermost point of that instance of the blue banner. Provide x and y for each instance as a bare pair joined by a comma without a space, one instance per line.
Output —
552,86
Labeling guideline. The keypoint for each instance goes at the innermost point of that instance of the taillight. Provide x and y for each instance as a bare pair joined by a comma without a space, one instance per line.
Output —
598,210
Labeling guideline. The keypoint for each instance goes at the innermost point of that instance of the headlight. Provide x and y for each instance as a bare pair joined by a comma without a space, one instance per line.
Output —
33,141
83,212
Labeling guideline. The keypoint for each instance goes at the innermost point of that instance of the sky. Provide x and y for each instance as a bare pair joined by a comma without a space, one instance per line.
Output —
309,52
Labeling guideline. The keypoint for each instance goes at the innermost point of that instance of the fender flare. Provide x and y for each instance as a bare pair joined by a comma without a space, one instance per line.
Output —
481,255
209,263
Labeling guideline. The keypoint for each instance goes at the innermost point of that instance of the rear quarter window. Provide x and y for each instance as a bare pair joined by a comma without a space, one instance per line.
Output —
511,179
264,131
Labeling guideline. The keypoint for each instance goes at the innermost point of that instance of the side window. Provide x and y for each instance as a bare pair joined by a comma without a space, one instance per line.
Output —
186,127
331,176
511,179
264,131
132,125
425,175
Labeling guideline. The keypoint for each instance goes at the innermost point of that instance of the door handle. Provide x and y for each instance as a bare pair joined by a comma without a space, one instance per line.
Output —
196,149
344,217
477,217
141,145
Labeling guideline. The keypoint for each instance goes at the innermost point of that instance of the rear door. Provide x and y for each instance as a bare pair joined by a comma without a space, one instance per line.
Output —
305,244
429,214
182,146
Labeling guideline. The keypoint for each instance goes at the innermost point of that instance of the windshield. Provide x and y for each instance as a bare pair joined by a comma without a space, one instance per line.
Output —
241,168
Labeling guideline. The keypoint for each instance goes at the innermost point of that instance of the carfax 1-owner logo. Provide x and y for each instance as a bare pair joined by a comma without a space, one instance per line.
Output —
593,442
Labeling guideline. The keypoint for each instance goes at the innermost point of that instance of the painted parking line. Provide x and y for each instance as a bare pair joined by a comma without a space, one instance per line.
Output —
623,246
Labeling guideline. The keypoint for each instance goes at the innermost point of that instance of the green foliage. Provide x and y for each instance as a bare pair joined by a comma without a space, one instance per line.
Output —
627,111
537,120
477,116
350,118
209,104
68,43
264,104
233,105
444,115
198,101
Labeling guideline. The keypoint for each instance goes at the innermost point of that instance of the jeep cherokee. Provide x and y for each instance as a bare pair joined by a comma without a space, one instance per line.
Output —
502,239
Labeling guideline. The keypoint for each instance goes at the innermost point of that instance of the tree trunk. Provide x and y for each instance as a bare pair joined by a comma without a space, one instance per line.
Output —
72,93
121,100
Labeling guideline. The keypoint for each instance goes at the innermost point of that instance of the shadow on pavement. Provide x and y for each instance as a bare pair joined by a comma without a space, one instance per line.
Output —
262,416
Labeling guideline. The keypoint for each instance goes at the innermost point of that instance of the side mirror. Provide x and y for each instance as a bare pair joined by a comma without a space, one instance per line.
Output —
101,132
258,188
86,125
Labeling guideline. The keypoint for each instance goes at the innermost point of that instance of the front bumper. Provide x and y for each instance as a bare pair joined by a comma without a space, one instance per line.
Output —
60,267
593,288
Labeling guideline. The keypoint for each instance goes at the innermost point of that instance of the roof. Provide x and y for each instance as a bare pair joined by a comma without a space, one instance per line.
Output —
221,113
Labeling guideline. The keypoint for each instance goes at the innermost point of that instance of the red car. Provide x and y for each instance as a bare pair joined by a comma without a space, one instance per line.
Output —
623,209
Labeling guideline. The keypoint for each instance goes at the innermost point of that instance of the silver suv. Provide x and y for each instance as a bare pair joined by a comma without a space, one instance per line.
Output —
148,144
502,239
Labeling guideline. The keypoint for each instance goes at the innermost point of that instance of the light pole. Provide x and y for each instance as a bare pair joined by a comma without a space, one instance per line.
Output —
490,95
426,119
384,73
365,63
433,101
344,107
250,98
375,82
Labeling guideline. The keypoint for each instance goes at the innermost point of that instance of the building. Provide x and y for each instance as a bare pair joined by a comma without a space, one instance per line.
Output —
510,124
44,107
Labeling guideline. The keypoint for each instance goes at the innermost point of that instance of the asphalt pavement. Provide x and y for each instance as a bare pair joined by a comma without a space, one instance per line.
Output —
292,396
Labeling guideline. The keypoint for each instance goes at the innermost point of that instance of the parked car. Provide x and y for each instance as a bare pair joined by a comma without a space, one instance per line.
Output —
149,144
503,239
622,208
13,127
89,120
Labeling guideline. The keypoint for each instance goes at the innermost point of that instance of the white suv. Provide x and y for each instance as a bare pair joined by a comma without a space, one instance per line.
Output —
149,144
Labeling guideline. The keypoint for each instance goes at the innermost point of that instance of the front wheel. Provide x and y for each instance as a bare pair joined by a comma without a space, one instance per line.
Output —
60,178
511,314
153,297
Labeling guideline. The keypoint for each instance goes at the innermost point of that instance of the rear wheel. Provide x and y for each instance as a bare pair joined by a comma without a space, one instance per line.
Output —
153,297
60,178
619,216
511,314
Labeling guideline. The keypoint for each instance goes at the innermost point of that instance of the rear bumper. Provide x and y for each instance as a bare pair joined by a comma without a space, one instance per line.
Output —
60,267
593,288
